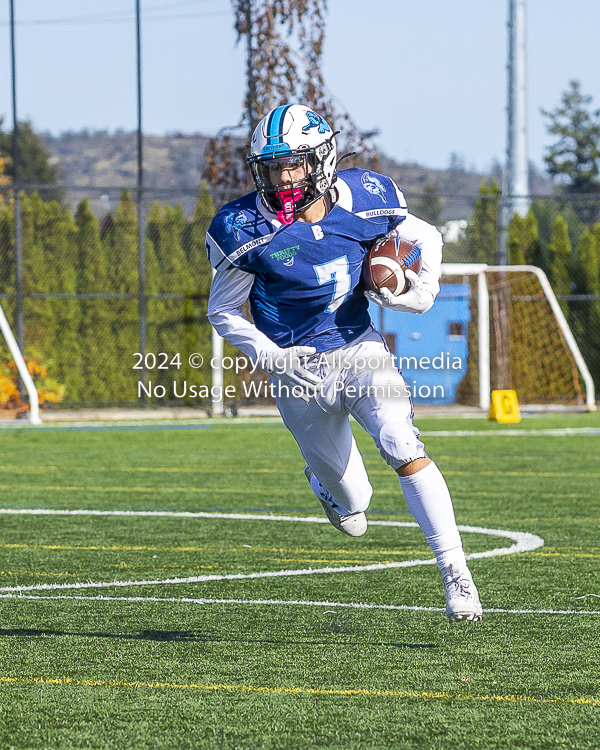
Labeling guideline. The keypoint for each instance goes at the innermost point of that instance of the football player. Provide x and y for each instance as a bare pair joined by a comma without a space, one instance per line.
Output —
295,248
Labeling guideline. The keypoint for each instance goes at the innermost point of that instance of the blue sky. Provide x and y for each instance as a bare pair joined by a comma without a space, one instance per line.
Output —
430,75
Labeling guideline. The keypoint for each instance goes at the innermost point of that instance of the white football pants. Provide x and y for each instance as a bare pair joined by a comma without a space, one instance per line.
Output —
359,379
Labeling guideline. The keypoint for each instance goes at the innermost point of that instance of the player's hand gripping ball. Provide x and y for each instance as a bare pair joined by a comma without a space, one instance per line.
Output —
387,261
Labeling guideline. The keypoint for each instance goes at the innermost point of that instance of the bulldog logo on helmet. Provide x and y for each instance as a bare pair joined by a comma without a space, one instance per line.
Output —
315,121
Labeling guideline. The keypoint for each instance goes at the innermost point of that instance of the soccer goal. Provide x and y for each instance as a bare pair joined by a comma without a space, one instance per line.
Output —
516,336
34,404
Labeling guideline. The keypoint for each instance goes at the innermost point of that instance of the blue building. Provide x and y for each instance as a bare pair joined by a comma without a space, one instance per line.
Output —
435,344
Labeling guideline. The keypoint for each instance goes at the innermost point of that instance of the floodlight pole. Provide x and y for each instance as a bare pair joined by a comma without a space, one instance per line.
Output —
16,192
140,203
516,187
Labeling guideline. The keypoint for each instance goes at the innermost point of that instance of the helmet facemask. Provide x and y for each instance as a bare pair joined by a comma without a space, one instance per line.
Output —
287,199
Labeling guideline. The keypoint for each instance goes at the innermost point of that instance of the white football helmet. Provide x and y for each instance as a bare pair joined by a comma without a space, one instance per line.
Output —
289,138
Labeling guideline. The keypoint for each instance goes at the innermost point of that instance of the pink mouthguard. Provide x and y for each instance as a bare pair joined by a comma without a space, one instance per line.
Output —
288,200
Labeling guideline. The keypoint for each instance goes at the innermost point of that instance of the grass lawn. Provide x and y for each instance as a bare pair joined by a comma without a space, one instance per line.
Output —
156,629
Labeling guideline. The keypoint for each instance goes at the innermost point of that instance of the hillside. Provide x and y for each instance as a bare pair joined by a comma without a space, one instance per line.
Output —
102,160
110,160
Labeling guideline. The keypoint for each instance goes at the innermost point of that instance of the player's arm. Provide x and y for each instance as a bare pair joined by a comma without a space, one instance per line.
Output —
229,290
429,239
424,287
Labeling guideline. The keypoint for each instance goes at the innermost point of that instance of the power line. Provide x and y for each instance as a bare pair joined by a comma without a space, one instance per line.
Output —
114,13
96,21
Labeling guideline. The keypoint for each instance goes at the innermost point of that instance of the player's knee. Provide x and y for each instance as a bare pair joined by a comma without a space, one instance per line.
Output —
399,443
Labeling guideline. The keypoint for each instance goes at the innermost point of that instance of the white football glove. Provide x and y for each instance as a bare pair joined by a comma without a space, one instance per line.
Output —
289,367
416,300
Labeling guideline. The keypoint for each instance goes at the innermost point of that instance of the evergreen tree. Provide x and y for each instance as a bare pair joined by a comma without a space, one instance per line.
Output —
6,235
482,232
174,271
587,274
7,250
7,269
95,331
4,179
166,229
197,329
37,313
194,242
559,265
517,241
120,238
122,247
545,211
62,330
524,245
596,233
585,317
575,158
35,164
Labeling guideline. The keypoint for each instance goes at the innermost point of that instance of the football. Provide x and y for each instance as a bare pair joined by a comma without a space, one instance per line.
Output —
385,263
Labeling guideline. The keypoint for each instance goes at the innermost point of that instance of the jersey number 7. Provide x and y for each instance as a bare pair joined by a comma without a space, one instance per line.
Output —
337,271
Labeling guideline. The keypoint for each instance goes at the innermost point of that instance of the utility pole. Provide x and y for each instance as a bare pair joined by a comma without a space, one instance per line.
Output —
140,199
516,184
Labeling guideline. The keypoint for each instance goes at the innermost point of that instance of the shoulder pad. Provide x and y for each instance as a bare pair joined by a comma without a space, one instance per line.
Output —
237,229
373,194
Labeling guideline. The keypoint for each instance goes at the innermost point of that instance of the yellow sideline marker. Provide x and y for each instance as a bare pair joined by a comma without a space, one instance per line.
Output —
305,691
504,407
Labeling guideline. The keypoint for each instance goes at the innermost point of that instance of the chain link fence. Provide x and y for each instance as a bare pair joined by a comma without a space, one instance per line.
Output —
83,316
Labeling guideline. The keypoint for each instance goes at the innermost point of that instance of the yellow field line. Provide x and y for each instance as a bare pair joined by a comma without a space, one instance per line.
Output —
563,554
284,470
523,473
313,560
45,488
30,573
219,548
302,691
168,469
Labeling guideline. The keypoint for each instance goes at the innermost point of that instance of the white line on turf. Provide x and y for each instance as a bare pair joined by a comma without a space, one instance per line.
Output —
257,422
524,542
293,602
550,432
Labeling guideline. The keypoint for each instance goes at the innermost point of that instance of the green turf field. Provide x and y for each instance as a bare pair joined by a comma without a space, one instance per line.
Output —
206,646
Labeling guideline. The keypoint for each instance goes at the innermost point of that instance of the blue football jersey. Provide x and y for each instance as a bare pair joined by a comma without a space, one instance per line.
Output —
307,288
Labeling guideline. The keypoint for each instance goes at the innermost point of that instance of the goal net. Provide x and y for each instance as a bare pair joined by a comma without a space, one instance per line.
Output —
492,328
516,336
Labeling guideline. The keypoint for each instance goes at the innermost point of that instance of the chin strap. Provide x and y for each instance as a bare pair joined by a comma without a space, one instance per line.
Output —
288,199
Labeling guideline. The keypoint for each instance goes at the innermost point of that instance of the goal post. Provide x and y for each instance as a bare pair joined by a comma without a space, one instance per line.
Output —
518,337
34,404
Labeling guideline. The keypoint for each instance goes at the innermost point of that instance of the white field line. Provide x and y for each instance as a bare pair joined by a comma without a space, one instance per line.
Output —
550,432
524,542
258,421
293,602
